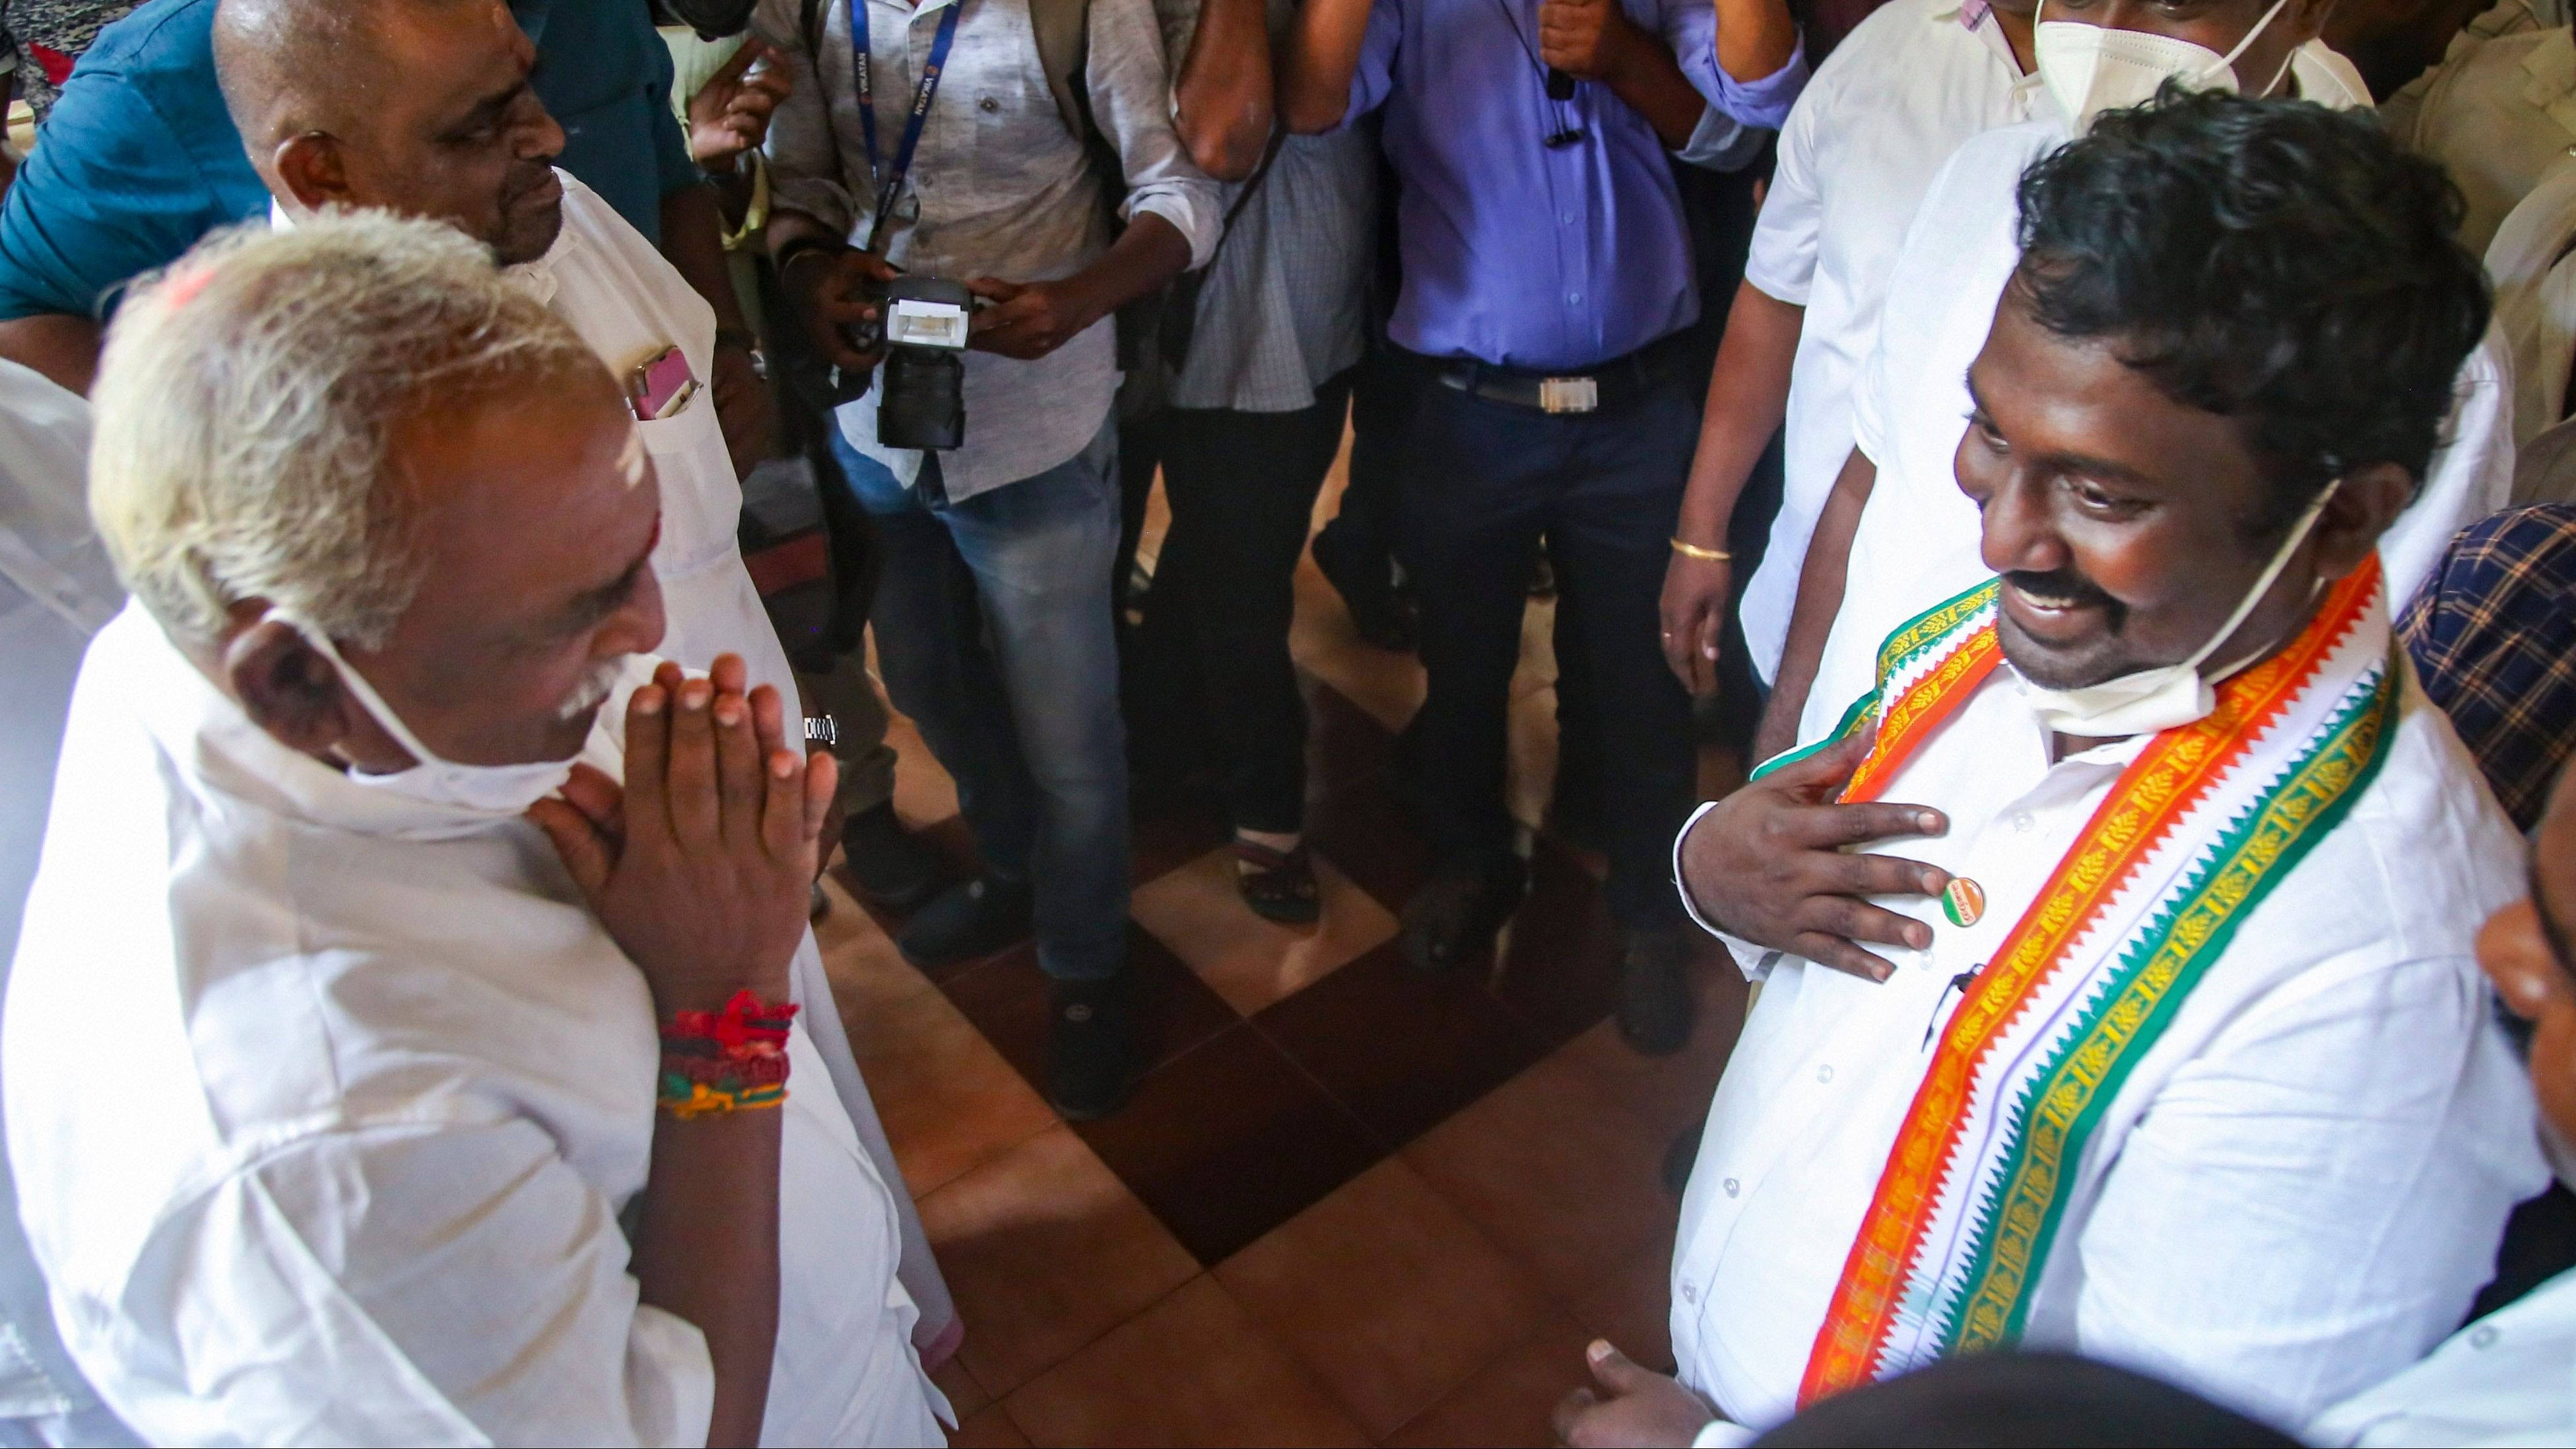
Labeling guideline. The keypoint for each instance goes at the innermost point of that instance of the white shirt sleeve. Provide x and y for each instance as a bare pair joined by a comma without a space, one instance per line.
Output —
2470,474
1130,82
416,1285
1791,227
2348,1150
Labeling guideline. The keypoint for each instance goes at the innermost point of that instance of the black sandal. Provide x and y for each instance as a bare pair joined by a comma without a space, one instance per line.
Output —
1281,884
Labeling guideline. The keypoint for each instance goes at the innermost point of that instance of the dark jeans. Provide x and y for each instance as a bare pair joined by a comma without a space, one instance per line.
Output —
1242,491
992,624
1484,482
1381,393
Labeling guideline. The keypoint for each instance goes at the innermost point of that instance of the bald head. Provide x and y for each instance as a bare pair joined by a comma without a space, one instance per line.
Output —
415,106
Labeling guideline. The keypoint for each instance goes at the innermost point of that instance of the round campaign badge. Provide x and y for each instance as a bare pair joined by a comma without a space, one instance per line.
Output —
1963,901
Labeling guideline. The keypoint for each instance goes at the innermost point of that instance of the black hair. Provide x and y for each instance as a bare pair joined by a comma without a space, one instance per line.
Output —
2005,1399
2274,262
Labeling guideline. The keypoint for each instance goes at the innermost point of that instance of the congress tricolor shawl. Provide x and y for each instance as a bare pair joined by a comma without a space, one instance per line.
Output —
2197,830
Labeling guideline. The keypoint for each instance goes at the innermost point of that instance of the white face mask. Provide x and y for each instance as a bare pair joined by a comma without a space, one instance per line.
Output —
2171,694
497,792
2093,68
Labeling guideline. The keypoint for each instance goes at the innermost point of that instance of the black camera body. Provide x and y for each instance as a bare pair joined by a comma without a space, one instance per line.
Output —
921,397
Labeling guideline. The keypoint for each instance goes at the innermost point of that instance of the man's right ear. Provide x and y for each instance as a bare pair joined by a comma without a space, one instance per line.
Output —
287,687
308,166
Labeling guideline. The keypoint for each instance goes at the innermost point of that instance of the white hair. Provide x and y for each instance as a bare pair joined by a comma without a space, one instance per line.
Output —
248,401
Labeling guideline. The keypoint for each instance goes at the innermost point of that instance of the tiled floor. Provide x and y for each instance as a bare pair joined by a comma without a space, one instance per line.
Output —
1349,1204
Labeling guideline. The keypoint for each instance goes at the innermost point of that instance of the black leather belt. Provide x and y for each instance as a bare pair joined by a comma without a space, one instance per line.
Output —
1599,388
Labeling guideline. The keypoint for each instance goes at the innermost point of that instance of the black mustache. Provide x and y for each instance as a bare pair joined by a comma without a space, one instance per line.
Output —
2068,586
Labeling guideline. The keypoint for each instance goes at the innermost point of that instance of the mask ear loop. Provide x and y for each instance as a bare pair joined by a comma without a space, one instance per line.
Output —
2263,585
356,683
2227,62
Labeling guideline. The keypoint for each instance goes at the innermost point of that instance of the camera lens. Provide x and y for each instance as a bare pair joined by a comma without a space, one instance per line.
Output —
923,404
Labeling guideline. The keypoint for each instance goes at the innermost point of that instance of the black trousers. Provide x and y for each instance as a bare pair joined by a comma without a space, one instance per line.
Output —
1213,650
1484,483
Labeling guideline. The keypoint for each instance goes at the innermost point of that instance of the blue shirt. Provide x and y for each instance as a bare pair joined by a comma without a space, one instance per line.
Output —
139,158
1520,253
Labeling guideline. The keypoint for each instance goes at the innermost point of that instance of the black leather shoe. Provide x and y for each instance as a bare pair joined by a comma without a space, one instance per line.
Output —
965,921
890,865
1091,1054
1655,1006
1458,913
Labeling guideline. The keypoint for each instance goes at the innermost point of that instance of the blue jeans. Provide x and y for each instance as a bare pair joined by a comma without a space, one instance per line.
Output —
993,629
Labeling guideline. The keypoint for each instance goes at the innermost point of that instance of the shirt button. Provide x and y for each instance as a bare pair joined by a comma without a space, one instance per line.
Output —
1574,299
1824,1074
2483,1336
1689,1294
989,105
2022,822
1731,1186
1566,217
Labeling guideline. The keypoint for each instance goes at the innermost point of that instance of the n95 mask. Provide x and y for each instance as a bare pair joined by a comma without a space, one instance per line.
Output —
2090,69
493,792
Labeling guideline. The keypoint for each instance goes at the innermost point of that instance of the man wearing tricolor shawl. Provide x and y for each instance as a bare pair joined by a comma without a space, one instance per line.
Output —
2166,1045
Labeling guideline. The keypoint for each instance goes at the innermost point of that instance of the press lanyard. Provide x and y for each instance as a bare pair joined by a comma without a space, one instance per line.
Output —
890,184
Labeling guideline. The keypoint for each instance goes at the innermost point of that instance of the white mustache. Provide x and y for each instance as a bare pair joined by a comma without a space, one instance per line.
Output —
594,687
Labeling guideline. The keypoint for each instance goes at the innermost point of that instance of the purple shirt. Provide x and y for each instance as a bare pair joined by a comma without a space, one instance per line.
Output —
1516,252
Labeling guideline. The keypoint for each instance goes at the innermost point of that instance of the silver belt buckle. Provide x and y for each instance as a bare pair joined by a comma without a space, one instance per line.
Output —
1569,395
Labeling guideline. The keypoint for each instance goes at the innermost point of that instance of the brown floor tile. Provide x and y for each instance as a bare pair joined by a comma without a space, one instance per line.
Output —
923,792
1166,839
1632,1305
1554,1170
1560,960
1537,667
1230,1141
1007,999
1386,1294
965,1395
1198,911
1400,1049
989,1428
949,1100
1192,1370
1385,683
1510,1402
1362,829
1672,1092
1530,760
1046,1251
865,969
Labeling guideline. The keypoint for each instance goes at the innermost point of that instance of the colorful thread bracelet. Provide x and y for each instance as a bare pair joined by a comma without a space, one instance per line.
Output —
701,1100
733,1060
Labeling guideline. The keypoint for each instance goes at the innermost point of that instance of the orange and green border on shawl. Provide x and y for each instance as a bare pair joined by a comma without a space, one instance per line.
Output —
2153,795
1912,640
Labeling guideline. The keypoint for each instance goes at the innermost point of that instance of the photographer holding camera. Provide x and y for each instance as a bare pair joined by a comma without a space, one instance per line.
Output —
922,149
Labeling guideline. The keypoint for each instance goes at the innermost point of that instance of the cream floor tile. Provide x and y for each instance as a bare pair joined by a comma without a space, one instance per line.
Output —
1530,768
1251,962
1192,1370
1046,1251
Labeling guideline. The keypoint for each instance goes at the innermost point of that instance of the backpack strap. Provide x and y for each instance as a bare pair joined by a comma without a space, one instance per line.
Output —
1063,31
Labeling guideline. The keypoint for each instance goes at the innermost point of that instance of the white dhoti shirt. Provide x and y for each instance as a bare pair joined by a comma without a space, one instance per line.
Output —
325,1105
2296,1190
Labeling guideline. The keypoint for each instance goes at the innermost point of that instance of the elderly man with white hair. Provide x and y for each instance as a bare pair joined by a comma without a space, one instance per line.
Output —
344,1109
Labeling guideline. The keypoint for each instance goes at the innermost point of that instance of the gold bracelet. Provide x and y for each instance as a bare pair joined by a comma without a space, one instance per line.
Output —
1704,555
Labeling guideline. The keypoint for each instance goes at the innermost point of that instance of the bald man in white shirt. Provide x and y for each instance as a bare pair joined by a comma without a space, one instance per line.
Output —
344,1109
2142,1023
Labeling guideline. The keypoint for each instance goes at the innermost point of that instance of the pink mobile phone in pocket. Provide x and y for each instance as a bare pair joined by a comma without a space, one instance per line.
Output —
660,386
